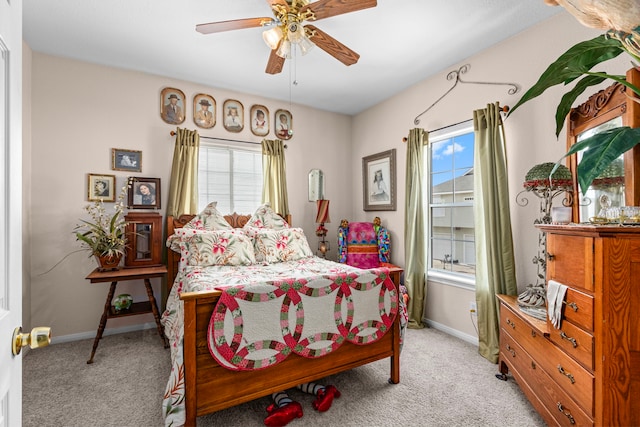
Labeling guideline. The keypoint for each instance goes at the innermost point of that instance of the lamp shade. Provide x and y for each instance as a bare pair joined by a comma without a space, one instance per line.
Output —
272,37
323,212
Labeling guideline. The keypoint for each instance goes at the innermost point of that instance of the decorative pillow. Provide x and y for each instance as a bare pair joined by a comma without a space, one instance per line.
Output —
265,217
220,247
209,219
272,246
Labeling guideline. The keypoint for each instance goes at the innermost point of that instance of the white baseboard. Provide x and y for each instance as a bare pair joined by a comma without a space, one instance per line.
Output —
92,334
448,330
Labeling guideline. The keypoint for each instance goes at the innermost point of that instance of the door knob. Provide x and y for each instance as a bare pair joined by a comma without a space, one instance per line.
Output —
39,337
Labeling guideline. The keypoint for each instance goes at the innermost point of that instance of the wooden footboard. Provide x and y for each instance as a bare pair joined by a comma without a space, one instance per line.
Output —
209,387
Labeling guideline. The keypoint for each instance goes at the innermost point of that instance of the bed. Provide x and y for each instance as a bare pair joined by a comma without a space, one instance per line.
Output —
199,384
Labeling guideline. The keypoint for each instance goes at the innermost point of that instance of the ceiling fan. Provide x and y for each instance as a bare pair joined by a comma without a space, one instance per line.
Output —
288,28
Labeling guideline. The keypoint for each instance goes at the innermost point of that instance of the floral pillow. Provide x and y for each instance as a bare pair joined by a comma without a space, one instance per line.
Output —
219,247
209,219
265,217
272,246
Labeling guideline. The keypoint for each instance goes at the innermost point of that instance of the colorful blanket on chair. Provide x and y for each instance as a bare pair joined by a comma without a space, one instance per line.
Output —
314,305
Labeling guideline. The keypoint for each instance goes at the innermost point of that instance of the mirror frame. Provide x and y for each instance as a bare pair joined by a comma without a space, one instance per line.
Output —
600,108
316,185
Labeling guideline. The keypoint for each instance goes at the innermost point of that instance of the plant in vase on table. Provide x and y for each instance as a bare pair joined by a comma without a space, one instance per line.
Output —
104,235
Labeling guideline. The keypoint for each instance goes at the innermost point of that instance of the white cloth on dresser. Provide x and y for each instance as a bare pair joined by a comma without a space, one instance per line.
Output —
555,296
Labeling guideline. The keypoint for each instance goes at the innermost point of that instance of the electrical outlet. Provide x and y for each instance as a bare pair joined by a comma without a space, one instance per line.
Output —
472,307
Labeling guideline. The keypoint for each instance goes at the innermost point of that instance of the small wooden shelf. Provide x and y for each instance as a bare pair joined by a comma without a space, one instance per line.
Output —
136,308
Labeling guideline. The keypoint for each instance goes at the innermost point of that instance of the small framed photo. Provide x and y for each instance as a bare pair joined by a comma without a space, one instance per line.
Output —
126,160
379,181
259,120
172,105
101,187
283,124
143,193
204,111
233,112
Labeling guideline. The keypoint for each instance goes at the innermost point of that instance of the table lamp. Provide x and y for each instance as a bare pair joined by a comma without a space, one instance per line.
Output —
322,217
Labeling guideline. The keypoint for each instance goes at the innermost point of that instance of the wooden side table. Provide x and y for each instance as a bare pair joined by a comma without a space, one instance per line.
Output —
124,274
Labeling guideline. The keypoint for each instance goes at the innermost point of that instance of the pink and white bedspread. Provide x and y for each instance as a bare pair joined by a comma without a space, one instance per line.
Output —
267,312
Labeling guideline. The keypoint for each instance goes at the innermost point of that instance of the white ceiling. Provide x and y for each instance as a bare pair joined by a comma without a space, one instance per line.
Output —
401,42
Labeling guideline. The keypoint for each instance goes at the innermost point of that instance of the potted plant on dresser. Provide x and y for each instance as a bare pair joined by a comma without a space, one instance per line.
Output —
104,234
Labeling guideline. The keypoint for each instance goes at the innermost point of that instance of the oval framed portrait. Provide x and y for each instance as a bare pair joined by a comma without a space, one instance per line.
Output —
283,124
172,105
233,115
259,115
204,111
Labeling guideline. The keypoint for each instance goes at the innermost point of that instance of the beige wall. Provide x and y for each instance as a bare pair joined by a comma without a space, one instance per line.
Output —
530,134
80,111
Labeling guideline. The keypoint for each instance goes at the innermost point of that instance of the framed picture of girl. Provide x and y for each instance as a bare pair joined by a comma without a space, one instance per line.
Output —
259,120
143,193
233,115
283,124
379,181
101,187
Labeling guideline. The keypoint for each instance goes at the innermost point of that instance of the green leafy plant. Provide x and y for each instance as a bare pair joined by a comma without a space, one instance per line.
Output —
603,148
104,234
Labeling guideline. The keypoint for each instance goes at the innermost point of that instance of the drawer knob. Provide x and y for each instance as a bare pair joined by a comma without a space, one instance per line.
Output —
510,350
573,305
566,374
550,257
510,323
566,413
573,341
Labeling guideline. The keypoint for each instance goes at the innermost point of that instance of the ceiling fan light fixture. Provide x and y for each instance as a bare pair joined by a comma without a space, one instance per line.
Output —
305,45
272,37
295,32
284,50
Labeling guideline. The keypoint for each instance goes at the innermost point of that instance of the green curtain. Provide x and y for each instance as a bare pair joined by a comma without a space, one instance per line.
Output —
414,244
274,169
495,265
183,190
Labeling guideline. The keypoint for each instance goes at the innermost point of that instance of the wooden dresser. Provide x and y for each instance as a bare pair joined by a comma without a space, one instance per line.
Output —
588,371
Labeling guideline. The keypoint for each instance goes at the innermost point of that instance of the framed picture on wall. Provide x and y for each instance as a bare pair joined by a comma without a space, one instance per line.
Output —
172,105
126,160
259,120
204,111
101,187
379,181
143,193
283,124
233,115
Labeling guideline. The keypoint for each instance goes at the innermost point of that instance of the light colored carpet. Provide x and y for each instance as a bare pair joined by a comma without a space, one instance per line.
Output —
443,382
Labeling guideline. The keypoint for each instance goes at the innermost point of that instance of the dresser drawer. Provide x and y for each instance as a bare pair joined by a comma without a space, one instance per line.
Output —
527,336
524,369
575,380
578,308
574,341
570,260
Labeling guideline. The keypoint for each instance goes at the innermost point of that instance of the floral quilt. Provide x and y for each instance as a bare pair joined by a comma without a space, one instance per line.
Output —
316,305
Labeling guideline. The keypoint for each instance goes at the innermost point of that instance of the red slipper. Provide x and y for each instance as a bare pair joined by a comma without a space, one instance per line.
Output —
281,416
325,398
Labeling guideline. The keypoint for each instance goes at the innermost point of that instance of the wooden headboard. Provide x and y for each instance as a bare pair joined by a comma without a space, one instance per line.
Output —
173,258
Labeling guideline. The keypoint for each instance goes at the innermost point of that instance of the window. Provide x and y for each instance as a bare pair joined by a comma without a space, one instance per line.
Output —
230,175
451,235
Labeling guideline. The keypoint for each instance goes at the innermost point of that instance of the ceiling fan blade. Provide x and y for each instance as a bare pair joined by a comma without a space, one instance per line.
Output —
333,47
327,8
275,63
236,24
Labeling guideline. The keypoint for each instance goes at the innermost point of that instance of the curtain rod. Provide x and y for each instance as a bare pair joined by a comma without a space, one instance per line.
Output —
456,74
504,109
173,133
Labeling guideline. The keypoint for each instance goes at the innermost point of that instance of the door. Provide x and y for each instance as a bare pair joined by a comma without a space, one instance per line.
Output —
10,209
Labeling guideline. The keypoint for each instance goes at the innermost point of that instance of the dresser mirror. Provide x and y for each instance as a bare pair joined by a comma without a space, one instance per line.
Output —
619,184
316,185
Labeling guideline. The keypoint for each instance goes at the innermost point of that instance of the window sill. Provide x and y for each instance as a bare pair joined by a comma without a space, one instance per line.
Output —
452,279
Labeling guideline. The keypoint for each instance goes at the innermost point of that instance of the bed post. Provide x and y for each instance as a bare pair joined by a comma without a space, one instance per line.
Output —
189,354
